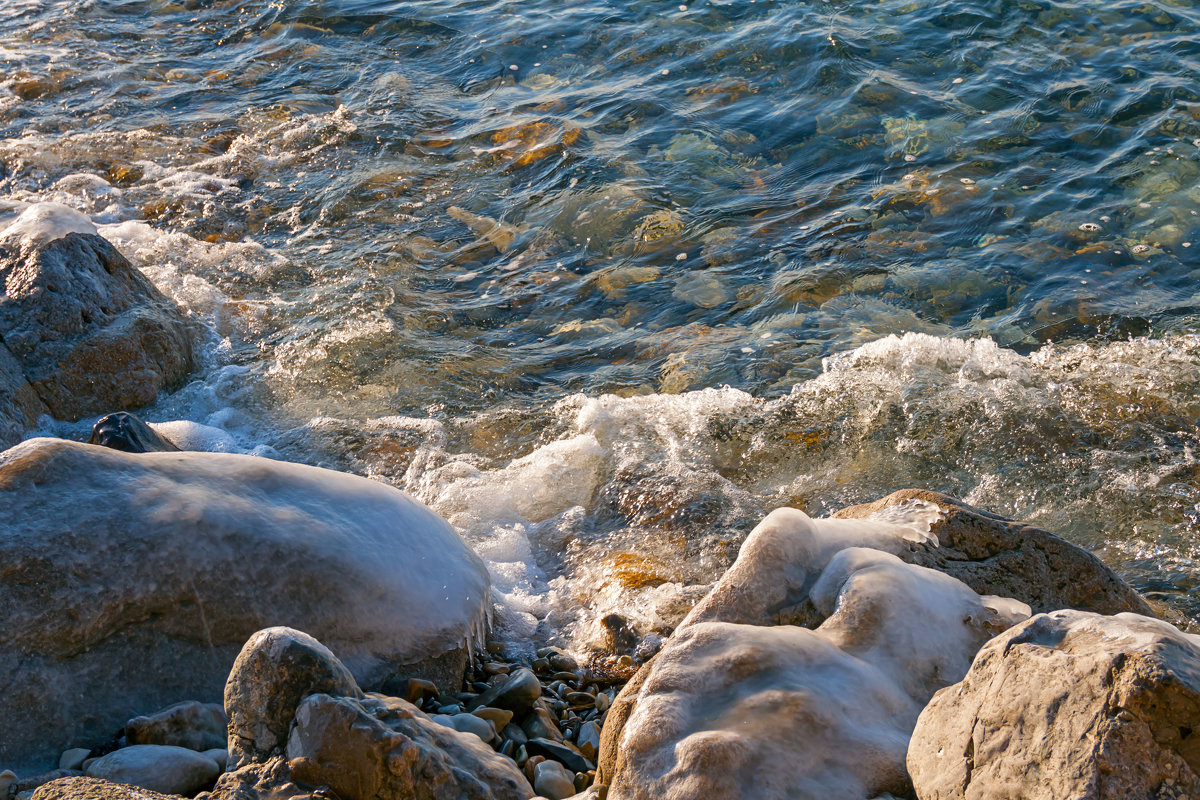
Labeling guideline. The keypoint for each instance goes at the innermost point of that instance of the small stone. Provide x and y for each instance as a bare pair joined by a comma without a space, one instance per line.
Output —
530,764
495,668
515,733
584,779
580,699
561,752
565,676
7,779
701,290
497,716
517,693
415,690
541,725
588,740
618,634
70,759
452,709
541,665
469,723
603,701
563,662
157,767
552,780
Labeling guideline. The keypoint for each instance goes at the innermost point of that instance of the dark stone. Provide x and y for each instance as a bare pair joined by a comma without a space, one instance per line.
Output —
619,638
517,693
128,433
560,752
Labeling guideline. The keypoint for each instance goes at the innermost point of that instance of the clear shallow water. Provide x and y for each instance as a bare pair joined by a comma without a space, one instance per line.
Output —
514,292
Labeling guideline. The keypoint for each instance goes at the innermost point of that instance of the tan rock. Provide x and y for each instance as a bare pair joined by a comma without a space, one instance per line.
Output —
1067,706
81,788
384,747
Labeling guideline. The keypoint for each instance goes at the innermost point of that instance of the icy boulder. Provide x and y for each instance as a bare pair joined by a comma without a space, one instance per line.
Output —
131,581
742,701
1067,706
89,332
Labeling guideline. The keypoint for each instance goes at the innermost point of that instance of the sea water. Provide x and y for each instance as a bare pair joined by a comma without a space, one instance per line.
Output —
603,282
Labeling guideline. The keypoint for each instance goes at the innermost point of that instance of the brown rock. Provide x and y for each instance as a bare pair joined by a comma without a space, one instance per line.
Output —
90,332
994,555
194,725
385,748
1067,706
95,789
271,779
20,405
277,669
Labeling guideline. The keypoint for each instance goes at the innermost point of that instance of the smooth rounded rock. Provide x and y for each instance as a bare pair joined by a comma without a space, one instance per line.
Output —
159,768
277,669
196,726
516,693
553,780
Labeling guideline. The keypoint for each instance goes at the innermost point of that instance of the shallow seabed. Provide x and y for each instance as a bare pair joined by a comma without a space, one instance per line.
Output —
604,281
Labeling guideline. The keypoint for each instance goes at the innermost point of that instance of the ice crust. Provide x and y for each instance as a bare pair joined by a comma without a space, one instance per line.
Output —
41,223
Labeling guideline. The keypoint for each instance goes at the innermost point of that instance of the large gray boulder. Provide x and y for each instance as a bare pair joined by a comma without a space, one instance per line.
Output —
131,581
159,768
89,331
1067,706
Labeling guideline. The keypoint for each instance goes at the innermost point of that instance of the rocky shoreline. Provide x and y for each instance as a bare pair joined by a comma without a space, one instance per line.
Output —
229,627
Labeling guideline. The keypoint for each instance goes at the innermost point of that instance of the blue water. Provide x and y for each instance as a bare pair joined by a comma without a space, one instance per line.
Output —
425,235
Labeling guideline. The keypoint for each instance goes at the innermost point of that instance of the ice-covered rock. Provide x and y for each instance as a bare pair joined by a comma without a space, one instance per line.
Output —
741,702
384,747
133,580
90,332
994,555
1067,706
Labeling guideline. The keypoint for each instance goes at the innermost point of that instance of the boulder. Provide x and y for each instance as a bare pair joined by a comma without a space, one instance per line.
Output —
131,581
95,789
196,726
781,712
159,768
384,747
276,669
20,405
995,555
1067,706
90,332
128,433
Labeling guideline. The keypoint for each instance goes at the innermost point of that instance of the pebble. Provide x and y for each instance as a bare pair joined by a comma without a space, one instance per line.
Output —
450,709
565,676
588,740
552,780
499,717
580,699
7,779
602,702
70,759
495,668
561,752
517,693
563,662
161,768
415,690
469,723
541,725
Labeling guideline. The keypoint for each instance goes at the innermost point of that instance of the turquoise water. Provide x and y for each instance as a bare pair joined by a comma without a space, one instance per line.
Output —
496,253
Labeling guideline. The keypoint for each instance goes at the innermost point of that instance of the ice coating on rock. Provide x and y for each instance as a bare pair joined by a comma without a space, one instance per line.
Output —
775,712
41,223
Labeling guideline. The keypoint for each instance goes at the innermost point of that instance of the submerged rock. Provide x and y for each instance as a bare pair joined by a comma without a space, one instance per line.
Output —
1067,706
133,580
383,747
89,331
277,668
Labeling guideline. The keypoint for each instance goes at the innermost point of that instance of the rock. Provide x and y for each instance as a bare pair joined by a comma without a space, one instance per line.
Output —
383,747
741,702
196,726
563,662
553,780
700,289
277,668
619,637
159,768
71,759
497,716
128,433
20,405
133,580
588,740
994,555
90,332
469,723
258,781
516,693
500,235
414,690
7,779
83,788
541,724
219,755
561,752
1067,706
